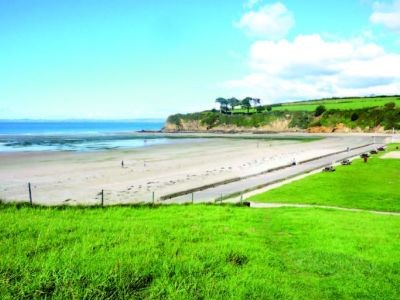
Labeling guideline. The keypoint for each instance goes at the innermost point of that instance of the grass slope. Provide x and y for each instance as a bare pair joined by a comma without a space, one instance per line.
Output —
342,104
182,252
374,185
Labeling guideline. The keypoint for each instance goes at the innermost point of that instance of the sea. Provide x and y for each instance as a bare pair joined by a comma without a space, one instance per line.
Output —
81,136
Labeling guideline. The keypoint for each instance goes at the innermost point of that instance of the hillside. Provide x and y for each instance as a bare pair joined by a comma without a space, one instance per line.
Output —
373,114
339,103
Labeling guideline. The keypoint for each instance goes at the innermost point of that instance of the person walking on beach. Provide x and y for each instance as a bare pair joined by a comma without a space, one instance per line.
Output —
122,164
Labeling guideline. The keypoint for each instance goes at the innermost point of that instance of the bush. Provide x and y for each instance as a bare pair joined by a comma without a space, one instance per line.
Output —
269,108
354,116
390,105
301,119
320,110
260,109
210,119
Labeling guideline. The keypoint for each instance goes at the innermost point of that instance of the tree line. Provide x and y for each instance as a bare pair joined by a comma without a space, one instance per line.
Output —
229,105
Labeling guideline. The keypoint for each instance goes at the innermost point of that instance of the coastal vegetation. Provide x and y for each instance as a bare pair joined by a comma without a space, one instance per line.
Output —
357,119
345,114
196,251
373,185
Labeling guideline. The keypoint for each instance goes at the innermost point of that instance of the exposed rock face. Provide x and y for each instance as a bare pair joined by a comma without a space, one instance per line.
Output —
279,125
319,129
341,128
379,129
185,125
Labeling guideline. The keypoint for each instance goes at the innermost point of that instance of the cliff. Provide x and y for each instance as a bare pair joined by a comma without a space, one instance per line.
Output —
378,119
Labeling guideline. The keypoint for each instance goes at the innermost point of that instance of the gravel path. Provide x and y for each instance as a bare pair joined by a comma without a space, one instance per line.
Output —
277,205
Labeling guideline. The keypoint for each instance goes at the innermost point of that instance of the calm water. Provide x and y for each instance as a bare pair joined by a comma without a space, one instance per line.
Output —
74,127
76,135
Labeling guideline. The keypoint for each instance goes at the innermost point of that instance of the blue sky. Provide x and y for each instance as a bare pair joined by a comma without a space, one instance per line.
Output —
141,59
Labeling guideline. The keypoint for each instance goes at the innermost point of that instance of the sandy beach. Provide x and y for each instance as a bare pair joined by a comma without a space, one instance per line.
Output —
78,178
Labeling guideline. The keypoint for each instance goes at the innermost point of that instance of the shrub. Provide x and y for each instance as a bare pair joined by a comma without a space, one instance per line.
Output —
320,110
260,109
316,124
301,119
269,108
210,119
390,105
354,116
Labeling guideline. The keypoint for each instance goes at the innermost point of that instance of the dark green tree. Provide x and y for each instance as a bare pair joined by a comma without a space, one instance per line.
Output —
223,104
260,109
233,102
269,108
354,116
320,110
246,103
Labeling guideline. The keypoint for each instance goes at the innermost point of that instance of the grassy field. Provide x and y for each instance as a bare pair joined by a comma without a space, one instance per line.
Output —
200,251
374,185
342,104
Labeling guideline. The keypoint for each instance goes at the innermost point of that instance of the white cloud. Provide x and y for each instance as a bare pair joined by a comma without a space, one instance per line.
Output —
387,15
311,67
270,21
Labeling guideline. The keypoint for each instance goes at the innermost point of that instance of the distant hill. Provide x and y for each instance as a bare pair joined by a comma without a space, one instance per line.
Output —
350,114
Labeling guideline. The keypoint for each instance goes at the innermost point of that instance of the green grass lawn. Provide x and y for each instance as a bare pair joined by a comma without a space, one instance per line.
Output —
374,185
200,251
343,104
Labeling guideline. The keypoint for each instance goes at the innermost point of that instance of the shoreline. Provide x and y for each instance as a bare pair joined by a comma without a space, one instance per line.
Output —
188,137
78,177
117,141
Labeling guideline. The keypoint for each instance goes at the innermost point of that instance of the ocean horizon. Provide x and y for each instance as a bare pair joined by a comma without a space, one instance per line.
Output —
76,135
32,126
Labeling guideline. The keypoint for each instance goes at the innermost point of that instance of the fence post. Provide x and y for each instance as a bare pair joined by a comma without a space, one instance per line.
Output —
241,198
153,197
192,198
30,193
102,198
